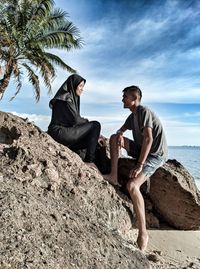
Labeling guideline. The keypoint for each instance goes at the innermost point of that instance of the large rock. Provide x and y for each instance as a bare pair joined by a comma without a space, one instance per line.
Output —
173,198
56,212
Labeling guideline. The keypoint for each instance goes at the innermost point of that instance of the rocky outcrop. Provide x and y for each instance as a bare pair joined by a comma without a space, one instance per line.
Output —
173,197
56,212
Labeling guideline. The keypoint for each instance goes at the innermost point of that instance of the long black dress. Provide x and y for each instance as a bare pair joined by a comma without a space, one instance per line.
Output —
67,126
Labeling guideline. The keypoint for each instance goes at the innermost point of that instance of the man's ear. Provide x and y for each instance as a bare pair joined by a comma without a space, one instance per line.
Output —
135,97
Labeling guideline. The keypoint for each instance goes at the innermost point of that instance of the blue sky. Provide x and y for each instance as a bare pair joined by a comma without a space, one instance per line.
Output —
152,44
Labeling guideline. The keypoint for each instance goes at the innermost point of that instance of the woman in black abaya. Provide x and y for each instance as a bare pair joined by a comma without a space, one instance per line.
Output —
67,126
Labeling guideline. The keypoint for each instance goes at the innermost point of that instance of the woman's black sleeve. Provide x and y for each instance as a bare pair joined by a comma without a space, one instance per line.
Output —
75,117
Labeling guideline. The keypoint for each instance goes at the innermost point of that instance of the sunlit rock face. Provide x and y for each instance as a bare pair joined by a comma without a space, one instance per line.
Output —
56,212
173,197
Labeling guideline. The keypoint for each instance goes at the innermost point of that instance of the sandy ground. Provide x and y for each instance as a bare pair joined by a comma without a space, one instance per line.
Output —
174,249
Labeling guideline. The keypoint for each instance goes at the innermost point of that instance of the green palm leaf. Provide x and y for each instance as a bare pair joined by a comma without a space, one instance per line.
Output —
59,62
28,30
33,78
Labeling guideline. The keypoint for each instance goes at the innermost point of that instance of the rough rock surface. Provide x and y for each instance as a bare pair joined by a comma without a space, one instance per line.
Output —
173,197
56,212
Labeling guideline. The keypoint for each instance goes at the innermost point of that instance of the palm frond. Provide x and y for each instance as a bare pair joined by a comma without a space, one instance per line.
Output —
58,15
53,20
39,10
45,67
59,62
47,72
27,29
43,6
33,78
17,75
59,39
38,58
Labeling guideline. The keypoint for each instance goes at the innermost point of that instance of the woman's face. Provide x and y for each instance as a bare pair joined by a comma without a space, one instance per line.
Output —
79,88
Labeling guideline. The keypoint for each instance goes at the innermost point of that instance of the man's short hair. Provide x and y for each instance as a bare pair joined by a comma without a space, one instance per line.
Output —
133,89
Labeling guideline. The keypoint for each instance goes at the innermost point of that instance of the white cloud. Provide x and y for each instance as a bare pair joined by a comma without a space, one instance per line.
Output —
178,133
140,31
41,121
167,76
194,114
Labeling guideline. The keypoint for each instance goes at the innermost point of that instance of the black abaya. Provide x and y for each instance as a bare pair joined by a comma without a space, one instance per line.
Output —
67,126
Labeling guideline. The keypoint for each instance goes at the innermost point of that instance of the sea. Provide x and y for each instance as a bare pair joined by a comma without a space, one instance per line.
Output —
189,157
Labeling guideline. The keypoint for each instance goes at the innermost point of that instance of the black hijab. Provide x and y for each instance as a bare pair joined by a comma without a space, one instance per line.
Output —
67,90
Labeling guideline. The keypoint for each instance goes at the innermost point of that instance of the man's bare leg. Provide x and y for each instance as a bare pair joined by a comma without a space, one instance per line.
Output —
114,155
138,201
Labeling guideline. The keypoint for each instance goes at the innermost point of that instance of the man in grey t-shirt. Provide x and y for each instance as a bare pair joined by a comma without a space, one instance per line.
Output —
148,147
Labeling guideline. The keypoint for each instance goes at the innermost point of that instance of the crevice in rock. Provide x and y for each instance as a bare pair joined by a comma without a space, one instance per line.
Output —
8,135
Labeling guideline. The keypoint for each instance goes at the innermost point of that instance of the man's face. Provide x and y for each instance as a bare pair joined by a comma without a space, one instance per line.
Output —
129,99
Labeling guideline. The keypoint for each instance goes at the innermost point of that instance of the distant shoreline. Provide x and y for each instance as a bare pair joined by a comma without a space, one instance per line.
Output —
193,147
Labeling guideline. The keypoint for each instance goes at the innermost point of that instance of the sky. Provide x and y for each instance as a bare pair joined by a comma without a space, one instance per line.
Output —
152,44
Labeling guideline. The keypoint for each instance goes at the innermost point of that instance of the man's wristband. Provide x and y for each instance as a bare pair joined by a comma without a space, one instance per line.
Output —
140,163
119,132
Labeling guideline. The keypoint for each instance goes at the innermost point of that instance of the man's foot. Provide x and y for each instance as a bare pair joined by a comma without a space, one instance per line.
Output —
93,165
111,179
142,241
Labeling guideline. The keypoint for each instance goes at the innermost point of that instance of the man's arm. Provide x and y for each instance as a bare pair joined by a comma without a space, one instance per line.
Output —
121,130
146,146
120,139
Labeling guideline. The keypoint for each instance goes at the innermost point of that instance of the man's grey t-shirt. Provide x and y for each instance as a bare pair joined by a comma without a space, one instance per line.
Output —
144,117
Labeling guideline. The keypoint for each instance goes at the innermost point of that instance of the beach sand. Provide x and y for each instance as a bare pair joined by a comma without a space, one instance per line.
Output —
174,249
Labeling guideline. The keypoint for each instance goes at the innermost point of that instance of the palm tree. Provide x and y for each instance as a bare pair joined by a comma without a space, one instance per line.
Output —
29,30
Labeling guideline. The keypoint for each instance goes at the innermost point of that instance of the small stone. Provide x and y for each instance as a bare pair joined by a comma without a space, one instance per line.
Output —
80,174
40,183
190,264
153,257
159,252
72,191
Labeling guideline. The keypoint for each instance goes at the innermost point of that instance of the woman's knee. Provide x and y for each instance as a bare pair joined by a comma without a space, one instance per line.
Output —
96,124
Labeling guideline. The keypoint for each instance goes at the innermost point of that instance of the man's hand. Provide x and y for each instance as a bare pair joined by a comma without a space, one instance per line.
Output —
102,141
120,141
136,171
